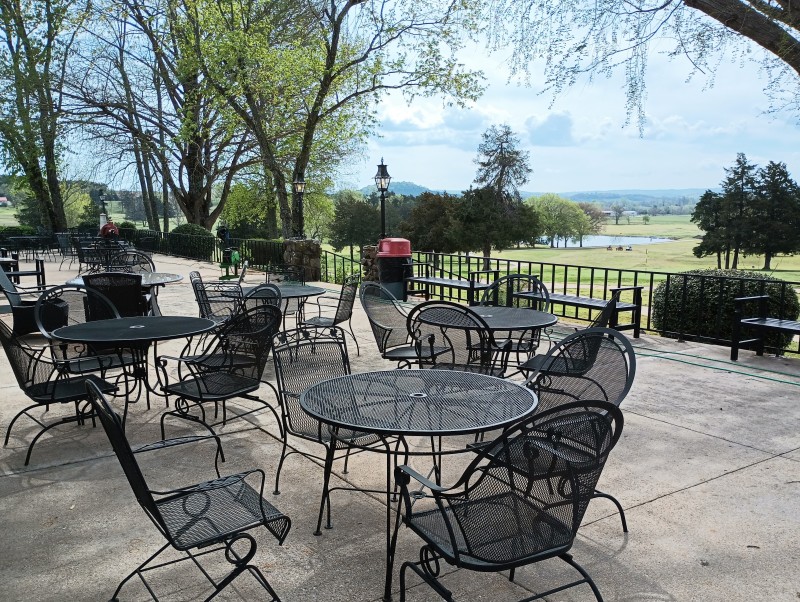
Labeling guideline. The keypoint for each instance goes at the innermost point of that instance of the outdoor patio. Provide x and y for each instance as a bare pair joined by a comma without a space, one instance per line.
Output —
707,469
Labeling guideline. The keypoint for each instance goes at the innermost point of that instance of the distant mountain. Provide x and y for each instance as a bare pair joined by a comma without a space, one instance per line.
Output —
403,188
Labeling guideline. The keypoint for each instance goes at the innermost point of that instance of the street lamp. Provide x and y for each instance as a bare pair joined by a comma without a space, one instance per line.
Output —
382,180
103,214
299,187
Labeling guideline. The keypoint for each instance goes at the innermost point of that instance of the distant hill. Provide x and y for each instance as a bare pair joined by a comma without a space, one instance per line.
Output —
403,188
632,196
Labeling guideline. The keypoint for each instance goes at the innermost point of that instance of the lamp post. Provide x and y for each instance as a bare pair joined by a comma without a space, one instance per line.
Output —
382,180
103,214
299,187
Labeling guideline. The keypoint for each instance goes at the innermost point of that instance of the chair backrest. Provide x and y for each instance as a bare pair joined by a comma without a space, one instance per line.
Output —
594,363
602,319
14,298
122,288
112,425
65,244
347,297
67,304
303,358
545,470
131,261
468,339
265,293
30,369
217,300
245,265
508,290
250,333
386,318
286,273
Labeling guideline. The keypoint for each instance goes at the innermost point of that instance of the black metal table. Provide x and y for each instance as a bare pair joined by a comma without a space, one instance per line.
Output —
293,291
149,279
514,318
135,335
403,403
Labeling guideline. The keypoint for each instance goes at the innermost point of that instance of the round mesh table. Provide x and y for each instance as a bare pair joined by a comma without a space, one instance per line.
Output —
418,402
403,403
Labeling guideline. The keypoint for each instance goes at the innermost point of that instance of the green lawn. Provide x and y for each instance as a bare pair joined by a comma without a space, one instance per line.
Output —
7,217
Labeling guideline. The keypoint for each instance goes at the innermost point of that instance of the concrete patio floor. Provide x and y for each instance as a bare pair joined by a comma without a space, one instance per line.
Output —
707,469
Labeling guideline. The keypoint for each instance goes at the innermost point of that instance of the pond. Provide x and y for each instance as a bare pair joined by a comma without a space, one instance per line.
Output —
602,240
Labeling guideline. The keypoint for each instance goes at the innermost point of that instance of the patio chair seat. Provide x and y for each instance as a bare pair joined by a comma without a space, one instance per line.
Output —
213,386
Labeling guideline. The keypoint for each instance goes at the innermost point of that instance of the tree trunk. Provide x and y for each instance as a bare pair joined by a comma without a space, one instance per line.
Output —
767,260
487,252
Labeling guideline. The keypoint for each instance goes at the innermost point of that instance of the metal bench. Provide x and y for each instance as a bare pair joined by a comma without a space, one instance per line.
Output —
421,284
761,324
635,308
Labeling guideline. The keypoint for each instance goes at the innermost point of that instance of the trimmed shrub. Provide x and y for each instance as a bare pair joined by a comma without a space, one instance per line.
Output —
6,231
126,225
193,241
699,303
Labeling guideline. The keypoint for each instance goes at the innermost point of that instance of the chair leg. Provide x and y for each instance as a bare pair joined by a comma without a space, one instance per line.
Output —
137,571
615,501
280,467
326,496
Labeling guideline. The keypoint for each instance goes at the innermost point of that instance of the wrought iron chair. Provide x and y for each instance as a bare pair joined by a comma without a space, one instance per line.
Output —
594,363
65,248
45,383
286,273
520,290
230,367
303,358
201,518
471,345
343,309
217,300
264,293
89,260
123,289
520,501
132,261
245,265
22,301
388,322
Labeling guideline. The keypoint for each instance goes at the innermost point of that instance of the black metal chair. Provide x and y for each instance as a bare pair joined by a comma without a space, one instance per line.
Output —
470,343
217,300
286,273
197,519
266,292
520,290
594,363
132,261
46,384
22,301
388,322
520,501
89,260
303,358
65,248
230,367
342,309
124,289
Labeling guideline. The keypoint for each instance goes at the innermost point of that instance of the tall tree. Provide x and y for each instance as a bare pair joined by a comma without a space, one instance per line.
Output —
502,165
710,215
559,218
774,215
36,40
738,193
433,224
595,38
305,76
355,222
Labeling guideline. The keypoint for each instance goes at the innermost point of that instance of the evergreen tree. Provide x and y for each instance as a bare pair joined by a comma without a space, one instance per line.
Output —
774,216
502,166
709,215
738,192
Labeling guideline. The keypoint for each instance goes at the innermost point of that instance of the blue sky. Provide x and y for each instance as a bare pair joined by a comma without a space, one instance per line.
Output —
692,132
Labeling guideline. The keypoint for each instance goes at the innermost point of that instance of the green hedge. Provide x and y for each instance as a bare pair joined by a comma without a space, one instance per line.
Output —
707,309
193,241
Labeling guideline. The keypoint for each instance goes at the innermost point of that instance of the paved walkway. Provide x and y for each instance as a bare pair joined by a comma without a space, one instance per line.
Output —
708,470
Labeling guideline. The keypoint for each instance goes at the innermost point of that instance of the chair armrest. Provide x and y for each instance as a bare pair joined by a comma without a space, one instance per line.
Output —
218,483
176,441
404,473
742,300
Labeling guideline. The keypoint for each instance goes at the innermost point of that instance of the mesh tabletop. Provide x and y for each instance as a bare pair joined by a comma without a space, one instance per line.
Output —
134,329
148,279
418,402
514,318
289,291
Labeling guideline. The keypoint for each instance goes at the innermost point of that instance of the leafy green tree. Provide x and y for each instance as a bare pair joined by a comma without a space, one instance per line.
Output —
433,224
597,219
559,218
597,38
319,214
617,209
710,215
502,166
774,215
491,220
645,219
738,192
355,222
36,41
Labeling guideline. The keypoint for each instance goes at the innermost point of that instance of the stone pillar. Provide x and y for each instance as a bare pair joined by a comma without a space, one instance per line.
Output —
304,253
369,263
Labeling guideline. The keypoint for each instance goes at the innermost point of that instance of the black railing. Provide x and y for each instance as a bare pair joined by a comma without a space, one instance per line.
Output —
335,268
678,319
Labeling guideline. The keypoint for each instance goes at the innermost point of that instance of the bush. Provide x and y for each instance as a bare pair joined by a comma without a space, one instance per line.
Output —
193,241
6,231
707,309
126,225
